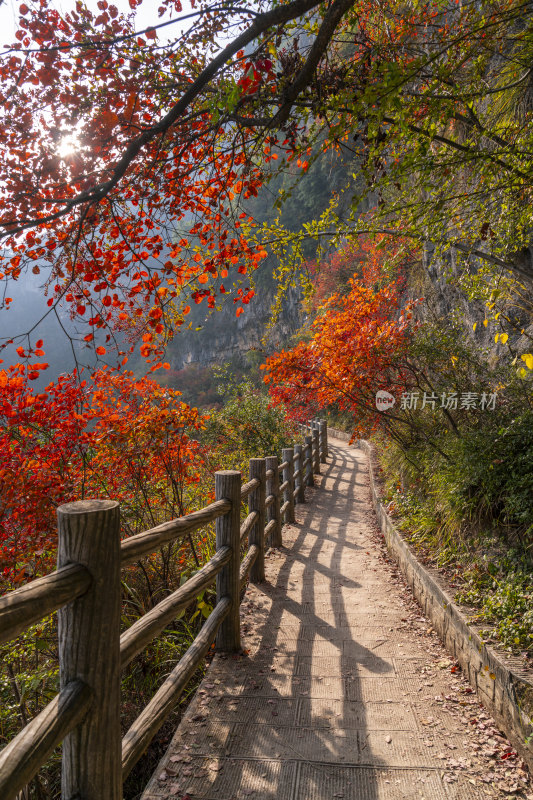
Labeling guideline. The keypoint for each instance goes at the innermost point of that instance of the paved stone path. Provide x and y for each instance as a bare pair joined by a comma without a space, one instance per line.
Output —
343,690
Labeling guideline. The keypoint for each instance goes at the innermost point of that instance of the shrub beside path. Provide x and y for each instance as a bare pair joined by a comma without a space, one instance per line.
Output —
343,690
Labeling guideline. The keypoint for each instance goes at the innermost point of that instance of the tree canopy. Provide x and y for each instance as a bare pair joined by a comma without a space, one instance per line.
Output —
113,142
128,154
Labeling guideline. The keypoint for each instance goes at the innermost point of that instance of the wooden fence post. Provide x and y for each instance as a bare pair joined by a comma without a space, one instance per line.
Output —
316,449
256,502
228,487
308,454
299,480
326,450
322,440
273,509
288,475
89,648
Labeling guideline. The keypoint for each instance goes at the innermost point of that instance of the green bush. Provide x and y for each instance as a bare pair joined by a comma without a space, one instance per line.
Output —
461,485
487,480
247,426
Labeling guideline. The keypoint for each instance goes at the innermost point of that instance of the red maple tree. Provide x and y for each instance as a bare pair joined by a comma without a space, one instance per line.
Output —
357,342
114,436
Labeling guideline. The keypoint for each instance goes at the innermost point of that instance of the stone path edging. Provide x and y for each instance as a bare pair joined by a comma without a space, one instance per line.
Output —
508,696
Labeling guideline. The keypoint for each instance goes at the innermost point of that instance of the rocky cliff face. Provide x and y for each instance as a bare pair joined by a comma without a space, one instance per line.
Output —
443,295
438,282
220,336
224,337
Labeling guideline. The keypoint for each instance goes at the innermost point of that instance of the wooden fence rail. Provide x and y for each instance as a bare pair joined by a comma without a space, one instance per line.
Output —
85,590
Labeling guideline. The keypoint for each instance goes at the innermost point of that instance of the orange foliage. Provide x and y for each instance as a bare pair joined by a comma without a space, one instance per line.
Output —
114,436
357,345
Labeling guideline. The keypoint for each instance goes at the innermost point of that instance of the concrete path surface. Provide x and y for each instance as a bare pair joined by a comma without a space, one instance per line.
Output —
343,690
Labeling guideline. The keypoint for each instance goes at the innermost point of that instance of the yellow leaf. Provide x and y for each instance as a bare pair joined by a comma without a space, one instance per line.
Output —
528,358
485,322
503,338
496,337
523,372
474,326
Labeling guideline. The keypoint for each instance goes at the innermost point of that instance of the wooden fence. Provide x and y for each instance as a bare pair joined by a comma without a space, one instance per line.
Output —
86,591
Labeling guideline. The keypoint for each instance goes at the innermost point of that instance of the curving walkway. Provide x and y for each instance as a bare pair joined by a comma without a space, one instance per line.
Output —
342,691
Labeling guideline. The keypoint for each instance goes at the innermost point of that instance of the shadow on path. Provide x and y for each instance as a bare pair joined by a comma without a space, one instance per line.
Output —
307,712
